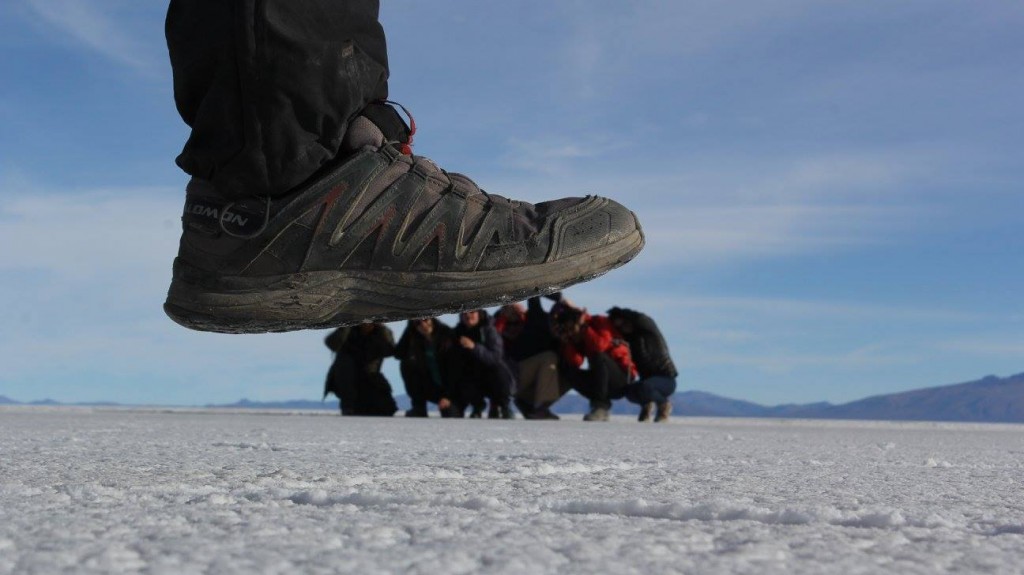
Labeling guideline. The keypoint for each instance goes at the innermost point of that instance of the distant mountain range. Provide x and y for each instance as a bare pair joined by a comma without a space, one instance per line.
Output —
991,399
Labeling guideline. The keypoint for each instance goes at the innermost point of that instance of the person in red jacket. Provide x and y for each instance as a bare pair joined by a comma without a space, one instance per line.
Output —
610,368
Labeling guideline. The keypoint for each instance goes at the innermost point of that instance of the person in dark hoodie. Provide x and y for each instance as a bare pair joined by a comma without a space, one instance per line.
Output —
531,350
478,368
610,367
355,376
424,352
653,362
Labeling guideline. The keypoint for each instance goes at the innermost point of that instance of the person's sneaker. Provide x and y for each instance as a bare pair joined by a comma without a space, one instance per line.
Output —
596,414
493,412
664,411
381,235
645,412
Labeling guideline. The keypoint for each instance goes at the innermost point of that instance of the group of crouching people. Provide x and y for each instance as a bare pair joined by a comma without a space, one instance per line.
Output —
523,355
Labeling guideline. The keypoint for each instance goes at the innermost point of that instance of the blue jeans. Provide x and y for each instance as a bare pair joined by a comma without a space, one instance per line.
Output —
658,388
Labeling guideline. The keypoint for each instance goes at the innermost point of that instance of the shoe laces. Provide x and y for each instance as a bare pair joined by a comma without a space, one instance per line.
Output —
406,146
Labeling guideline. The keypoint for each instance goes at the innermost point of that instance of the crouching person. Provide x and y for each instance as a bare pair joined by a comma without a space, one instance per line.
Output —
531,351
478,369
424,352
355,376
610,367
654,364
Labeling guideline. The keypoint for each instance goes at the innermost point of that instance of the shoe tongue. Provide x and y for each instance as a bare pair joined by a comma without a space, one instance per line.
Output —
377,124
362,132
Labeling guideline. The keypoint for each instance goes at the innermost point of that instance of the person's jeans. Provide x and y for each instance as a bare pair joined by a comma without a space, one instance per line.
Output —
658,389
270,86
604,381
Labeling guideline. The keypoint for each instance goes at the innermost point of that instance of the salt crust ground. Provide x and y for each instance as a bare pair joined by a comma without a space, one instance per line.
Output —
163,491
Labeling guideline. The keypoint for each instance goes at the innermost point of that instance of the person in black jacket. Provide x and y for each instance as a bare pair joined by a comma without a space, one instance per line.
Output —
478,368
355,376
424,352
531,350
653,363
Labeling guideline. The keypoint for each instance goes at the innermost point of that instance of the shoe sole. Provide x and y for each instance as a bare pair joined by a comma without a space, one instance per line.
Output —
319,300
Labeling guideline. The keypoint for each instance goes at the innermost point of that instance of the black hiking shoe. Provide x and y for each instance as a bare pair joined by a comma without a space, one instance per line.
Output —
381,236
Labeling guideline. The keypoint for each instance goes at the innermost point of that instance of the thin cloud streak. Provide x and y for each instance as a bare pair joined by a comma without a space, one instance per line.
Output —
774,362
723,235
602,47
91,233
1011,347
86,23
711,213
777,311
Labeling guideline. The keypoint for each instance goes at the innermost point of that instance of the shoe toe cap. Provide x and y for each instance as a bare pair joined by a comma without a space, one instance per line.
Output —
593,223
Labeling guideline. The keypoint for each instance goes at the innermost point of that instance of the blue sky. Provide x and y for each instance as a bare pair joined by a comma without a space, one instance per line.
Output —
832,191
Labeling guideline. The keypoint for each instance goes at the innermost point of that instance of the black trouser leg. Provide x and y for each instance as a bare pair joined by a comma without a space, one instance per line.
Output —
415,385
343,382
472,394
269,86
419,386
603,381
467,375
499,385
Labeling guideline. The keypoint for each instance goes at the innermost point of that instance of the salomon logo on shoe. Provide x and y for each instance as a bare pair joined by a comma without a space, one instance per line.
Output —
234,219
214,213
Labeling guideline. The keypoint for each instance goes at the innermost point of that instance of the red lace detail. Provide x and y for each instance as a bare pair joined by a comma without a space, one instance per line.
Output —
406,146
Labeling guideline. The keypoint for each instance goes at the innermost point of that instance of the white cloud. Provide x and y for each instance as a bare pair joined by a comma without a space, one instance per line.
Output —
775,362
738,319
721,211
799,309
1009,347
554,156
92,26
720,236
612,46
93,234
